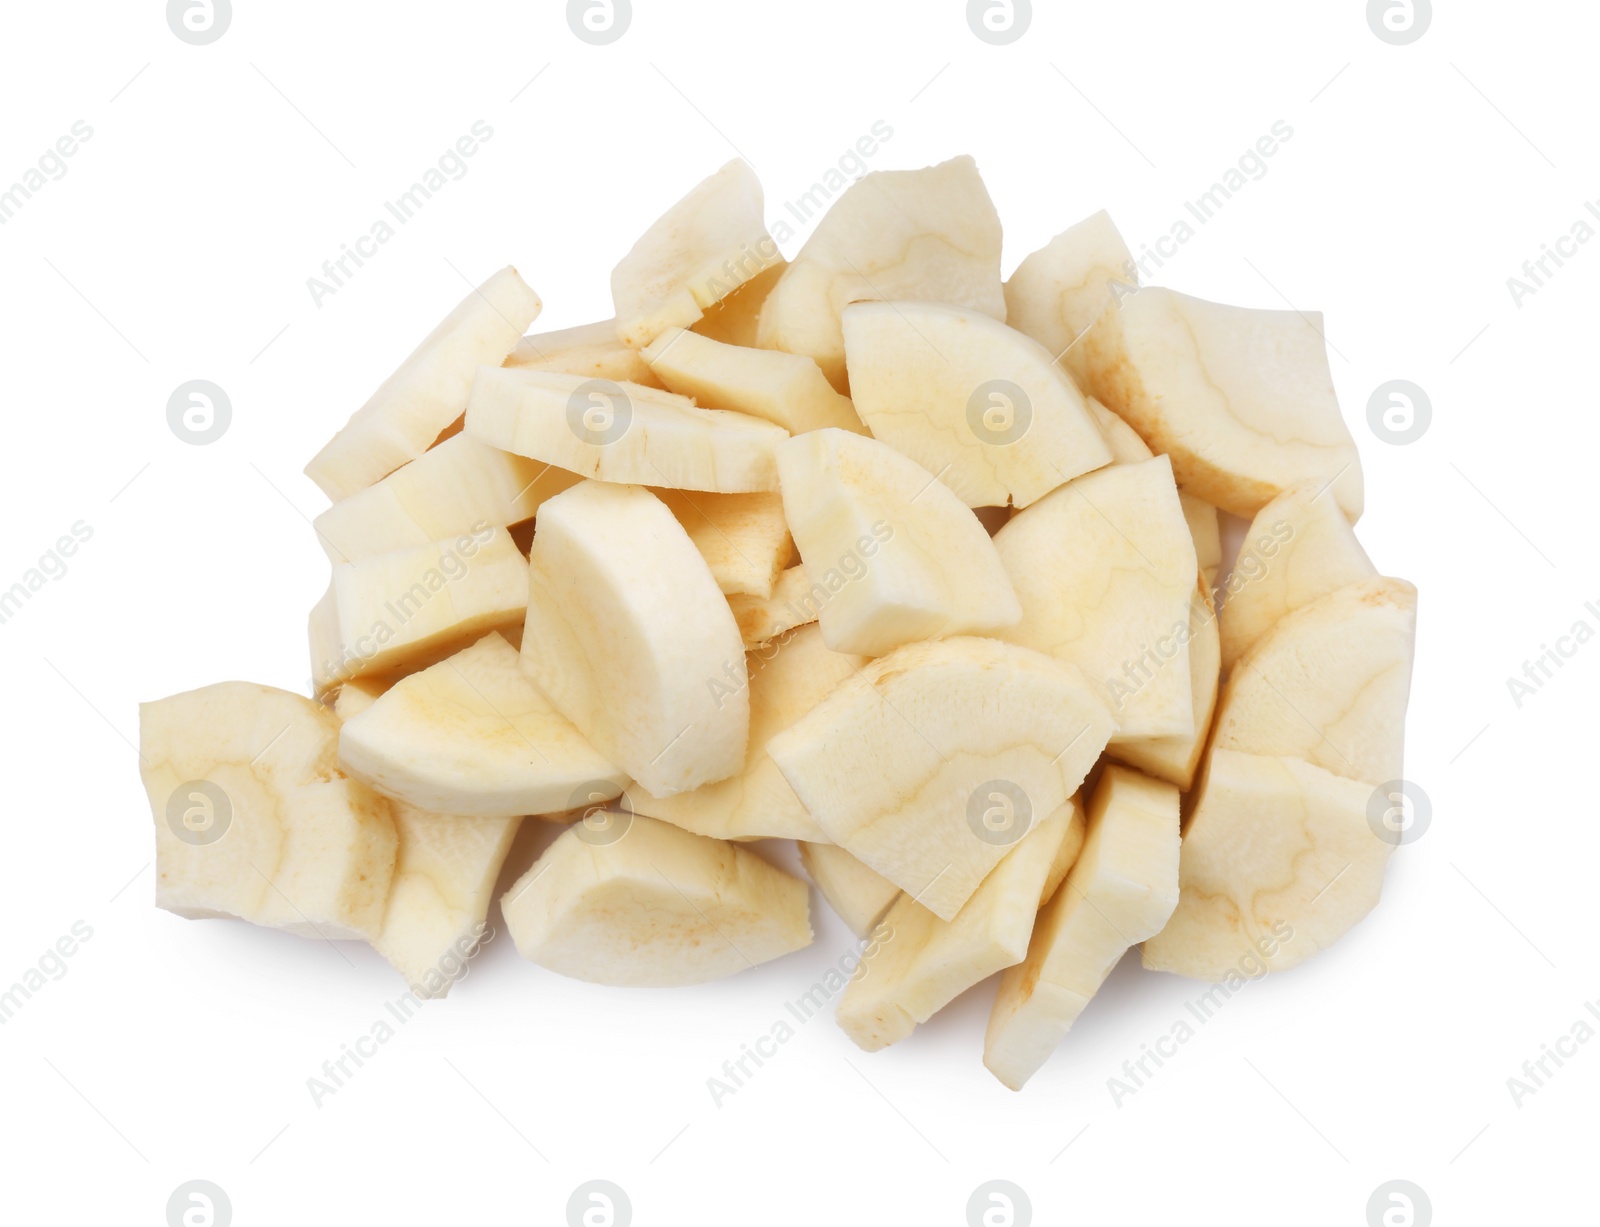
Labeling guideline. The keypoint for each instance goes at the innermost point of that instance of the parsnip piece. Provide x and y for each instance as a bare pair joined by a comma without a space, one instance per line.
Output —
856,893
736,319
1059,291
743,537
795,601
1123,440
590,350
1206,530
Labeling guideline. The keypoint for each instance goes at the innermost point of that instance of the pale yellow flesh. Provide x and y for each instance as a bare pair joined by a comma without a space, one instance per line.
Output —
1059,291
657,907
1104,568
301,848
916,562
419,401
966,397
590,350
623,432
788,676
626,633
1205,528
414,606
1121,891
472,735
1279,861
1241,399
1329,684
1123,440
795,601
928,235
743,537
925,963
1298,549
737,318
896,761
459,486
859,895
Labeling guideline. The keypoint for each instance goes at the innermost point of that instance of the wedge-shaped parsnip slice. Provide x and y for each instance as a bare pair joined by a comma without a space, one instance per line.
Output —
253,817
1175,759
795,601
743,537
859,895
472,735
929,235
1279,861
736,319
928,962
1205,528
933,761
1299,548
966,397
1329,684
1104,568
788,390
412,607
698,252
1121,891
590,350
1123,440
627,900
1059,291
918,563
460,486
1241,399
788,677
1067,851
419,401
629,636
621,432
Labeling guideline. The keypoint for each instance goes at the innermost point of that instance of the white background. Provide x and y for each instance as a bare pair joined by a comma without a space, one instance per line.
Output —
177,247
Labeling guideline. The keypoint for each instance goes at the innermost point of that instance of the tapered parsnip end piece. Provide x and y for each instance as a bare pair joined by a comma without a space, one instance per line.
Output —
1121,891
409,608
472,735
925,963
627,900
590,350
630,638
1104,568
700,251
743,537
621,432
1280,860
1299,548
419,401
1241,399
928,235
788,390
254,819
1058,292
788,677
915,563
1329,684
966,397
858,894
928,763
